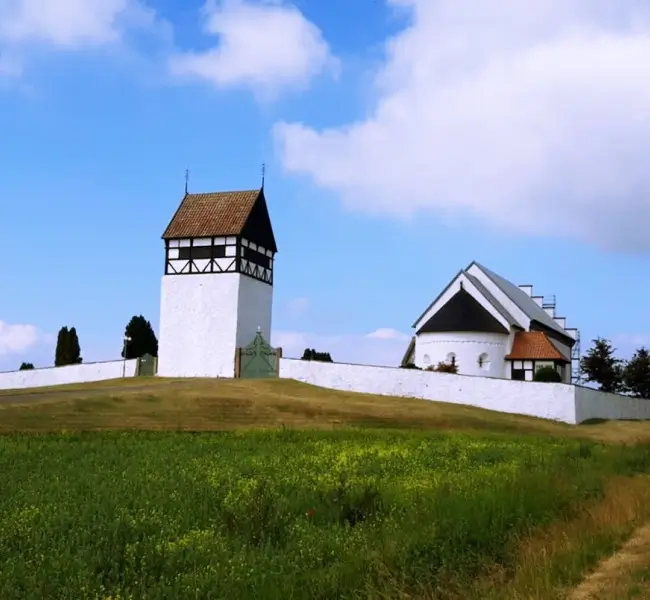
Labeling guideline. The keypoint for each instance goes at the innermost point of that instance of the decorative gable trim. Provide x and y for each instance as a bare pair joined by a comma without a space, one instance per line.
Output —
461,281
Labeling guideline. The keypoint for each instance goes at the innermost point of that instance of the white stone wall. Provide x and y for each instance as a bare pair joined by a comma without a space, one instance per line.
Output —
198,325
83,373
547,400
592,404
204,318
467,347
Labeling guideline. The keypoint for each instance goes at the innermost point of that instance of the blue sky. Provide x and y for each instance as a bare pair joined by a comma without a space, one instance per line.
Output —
403,139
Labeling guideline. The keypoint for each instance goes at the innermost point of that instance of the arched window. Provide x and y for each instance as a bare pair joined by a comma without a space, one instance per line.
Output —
426,360
451,358
484,361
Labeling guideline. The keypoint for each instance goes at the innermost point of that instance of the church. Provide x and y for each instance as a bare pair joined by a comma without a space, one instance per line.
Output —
217,294
490,327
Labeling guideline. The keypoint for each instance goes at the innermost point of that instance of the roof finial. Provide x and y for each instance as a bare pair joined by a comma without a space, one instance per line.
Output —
187,179
263,173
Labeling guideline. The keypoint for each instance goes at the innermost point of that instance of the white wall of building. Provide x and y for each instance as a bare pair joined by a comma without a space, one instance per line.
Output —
84,373
204,318
198,325
432,348
547,400
592,404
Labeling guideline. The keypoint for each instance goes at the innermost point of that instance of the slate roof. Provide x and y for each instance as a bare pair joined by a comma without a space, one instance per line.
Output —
525,303
534,345
213,214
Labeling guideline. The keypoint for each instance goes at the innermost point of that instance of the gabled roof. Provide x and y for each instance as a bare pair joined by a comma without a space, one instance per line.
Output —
481,288
534,345
213,214
522,300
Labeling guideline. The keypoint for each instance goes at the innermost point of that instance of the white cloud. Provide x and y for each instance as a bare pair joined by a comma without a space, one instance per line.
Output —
532,115
17,339
67,25
262,45
371,349
386,333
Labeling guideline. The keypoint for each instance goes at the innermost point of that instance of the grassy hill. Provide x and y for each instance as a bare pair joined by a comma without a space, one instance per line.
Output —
209,405
154,488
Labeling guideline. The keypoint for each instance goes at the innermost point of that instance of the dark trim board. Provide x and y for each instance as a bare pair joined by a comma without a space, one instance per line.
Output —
462,312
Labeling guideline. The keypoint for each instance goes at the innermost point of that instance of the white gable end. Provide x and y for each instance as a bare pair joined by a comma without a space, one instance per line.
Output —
520,316
461,280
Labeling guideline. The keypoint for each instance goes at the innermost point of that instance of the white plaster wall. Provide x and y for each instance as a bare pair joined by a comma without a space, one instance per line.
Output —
255,307
547,400
83,373
593,404
467,346
198,325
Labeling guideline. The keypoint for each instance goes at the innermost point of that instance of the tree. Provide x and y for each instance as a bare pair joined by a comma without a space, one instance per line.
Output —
26,366
74,348
547,374
600,366
68,351
311,354
636,374
143,339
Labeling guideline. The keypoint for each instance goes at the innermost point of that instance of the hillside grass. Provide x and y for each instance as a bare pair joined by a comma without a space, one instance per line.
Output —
151,488
151,403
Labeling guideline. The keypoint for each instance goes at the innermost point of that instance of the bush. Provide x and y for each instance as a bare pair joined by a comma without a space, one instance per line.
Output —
26,366
548,374
444,367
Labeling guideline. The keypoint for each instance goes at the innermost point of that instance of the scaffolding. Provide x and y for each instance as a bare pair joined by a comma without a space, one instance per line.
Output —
575,361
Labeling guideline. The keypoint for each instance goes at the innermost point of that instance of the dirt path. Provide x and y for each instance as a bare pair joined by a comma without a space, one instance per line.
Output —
624,575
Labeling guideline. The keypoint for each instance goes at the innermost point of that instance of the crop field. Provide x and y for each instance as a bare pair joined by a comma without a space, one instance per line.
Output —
288,514
301,493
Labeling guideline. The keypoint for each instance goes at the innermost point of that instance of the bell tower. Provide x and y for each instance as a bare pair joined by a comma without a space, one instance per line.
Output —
217,289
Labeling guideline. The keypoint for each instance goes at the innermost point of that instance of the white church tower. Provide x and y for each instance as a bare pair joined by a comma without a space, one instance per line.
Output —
217,289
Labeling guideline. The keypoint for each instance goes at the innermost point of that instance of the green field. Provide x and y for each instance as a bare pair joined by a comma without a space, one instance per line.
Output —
277,490
286,514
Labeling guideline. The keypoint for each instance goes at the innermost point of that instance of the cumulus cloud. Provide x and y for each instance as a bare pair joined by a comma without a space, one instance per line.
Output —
265,46
66,25
381,347
534,116
17,339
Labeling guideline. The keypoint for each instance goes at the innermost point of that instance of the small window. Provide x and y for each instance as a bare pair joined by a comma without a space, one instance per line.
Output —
426,360
518,375
451,358
484,361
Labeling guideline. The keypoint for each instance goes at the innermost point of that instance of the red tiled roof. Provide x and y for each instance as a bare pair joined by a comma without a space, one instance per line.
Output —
534,345
216,214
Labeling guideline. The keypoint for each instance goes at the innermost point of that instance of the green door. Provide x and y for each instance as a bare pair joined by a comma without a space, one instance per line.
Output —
146,365
258,359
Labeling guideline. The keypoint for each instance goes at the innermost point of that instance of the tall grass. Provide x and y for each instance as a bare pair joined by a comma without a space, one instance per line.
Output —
282,515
